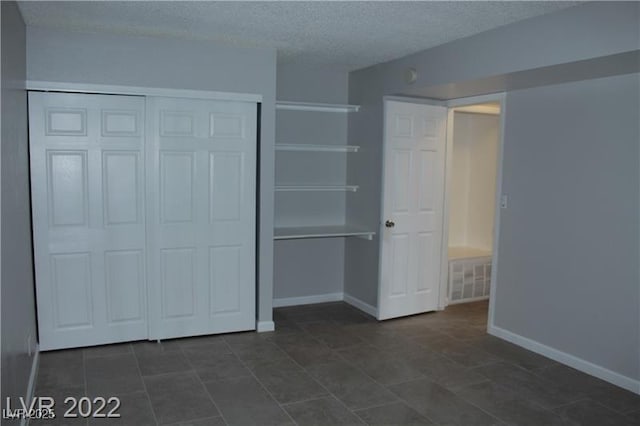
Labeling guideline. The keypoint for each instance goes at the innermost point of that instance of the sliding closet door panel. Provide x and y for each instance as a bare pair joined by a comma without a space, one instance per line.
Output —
201,216
87,181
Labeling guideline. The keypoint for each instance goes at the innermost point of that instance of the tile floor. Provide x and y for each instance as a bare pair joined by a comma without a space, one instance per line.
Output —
330,364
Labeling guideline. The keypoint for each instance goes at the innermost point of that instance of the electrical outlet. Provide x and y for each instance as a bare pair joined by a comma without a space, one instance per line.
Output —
504,201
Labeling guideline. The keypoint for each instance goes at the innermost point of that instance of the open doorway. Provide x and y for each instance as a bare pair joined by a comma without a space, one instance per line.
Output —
471,202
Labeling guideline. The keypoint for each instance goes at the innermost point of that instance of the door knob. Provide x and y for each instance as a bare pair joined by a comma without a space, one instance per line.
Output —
389,224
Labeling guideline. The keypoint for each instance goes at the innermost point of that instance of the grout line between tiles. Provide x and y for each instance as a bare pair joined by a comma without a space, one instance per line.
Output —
146,391
260,383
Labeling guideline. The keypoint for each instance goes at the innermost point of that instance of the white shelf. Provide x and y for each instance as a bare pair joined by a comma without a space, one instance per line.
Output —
317,188
316,148
321,232
312,106
461,252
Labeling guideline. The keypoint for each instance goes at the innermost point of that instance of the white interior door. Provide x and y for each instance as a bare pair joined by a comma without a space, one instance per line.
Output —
412,206
201,216
88,207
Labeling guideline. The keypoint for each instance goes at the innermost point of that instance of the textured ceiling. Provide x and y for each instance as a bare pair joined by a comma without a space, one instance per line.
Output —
347,34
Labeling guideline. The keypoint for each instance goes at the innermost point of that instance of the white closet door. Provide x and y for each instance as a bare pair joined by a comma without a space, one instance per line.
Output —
413,189
87,185
201,216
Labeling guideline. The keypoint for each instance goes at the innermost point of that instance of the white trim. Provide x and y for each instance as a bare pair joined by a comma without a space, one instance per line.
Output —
316,148
33,377
480,99
315,106
265,326
412,100
53,86
307,300
304,188
568,359
357,303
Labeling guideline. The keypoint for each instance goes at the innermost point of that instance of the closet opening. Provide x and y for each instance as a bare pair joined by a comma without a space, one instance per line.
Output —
471,203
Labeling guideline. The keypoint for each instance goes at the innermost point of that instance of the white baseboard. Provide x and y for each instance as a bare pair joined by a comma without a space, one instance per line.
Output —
263,326
567,359
307,300
33,378
357,303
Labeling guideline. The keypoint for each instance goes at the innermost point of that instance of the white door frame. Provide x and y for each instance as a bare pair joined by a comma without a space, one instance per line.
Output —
444,267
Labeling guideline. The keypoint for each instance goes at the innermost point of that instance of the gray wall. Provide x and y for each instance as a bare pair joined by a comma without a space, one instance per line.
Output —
62,56
18,306
587,32
517,52
579,33
309,267
568,272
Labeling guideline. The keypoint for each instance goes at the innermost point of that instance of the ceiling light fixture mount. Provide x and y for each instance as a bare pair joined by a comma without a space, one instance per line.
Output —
410,75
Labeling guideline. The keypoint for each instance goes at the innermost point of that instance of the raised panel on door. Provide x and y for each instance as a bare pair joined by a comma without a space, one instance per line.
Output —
225,280
125,284
86,154
67,177
122,190
178,293
71,282
176,186
201,217
413,185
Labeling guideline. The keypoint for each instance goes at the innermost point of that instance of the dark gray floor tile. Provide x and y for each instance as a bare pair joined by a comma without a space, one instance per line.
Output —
287,382
213,344
155,348
215,366
162,363
310,354
512,353
404,346
61,369
397,413
385,368
521,412
322,412
589,413
255,349
444,371
107,350
527,385
135,409
634,417
211,421
467,354
58,421
295,363
113,376
60,406
179,397
350,385
333,336
291,338
441,405
244,402
487,395
614,397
